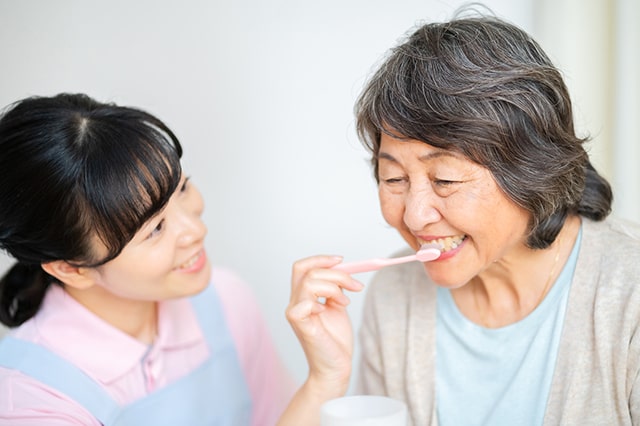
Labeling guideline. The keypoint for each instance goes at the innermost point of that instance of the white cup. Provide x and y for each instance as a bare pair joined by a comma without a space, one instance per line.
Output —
363,410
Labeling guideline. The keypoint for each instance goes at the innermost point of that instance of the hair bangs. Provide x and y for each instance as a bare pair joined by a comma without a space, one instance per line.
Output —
130,180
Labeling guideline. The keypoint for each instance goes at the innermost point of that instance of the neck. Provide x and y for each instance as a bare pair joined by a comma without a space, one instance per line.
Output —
136,318
513,287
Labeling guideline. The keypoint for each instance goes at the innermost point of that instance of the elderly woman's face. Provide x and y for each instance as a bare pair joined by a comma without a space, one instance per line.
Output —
429,194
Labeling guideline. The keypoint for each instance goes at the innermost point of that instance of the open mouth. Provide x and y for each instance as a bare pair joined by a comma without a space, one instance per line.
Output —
189,263
447,243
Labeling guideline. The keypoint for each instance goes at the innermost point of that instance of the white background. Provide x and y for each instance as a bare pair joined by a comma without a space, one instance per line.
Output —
260,92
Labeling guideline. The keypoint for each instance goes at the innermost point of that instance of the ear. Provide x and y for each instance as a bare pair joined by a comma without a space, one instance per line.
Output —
73,276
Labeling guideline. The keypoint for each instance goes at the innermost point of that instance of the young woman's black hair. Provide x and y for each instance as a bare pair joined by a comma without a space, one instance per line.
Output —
75,174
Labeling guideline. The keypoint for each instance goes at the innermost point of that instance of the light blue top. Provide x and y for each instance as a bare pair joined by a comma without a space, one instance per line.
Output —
499,376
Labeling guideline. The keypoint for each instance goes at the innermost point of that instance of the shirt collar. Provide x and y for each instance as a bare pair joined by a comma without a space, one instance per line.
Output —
101,350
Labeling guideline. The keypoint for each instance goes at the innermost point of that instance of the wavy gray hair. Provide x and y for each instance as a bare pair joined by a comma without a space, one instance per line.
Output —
483,87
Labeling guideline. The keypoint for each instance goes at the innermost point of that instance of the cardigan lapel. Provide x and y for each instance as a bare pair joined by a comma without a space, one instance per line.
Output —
577,331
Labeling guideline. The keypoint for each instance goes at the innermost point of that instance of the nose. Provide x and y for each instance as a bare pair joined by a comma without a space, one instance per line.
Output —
191,228
193,231
421,208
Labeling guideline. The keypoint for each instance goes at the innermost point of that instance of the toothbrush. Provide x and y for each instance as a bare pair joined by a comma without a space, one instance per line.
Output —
426,253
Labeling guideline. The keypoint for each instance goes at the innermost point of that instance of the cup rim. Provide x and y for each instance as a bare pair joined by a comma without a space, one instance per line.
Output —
388,407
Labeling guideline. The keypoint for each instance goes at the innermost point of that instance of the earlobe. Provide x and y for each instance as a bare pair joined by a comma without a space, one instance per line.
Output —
73,276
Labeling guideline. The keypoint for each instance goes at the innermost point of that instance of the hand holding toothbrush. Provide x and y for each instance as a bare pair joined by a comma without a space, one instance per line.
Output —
317,313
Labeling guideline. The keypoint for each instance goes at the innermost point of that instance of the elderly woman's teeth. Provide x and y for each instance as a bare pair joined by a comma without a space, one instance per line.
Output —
449,243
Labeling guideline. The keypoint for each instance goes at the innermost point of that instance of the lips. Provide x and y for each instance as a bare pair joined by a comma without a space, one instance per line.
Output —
194,263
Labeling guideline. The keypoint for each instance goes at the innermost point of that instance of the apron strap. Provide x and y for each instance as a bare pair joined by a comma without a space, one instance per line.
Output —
215,393
56,372
211,318
228,399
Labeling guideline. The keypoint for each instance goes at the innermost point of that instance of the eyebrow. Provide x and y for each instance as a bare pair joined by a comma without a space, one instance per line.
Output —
426,157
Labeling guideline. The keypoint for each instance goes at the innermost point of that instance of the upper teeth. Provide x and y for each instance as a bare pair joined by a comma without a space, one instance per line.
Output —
190,262
448,243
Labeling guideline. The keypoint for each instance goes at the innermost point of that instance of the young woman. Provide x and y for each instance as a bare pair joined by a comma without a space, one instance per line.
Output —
117,316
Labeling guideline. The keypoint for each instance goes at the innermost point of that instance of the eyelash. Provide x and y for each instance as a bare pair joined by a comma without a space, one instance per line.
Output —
393,180
443,182
185,185
160,225
440,182
157,229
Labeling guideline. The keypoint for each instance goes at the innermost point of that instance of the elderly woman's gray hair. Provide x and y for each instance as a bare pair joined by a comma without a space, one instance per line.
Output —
483,87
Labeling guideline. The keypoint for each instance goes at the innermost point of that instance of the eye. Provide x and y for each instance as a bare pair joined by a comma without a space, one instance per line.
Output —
157,229
185,185
444,182
391,181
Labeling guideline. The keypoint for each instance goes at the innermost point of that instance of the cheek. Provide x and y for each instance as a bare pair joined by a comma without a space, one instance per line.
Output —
506,212
392,208
162,259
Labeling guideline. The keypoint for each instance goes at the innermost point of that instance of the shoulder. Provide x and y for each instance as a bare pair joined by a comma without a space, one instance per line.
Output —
239,305
603,314
606,284
241,310
26,402
613,247
626,231
233,291
269,383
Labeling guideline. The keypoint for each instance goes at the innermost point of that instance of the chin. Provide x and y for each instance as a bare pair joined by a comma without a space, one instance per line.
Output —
445,280
204,280
197,283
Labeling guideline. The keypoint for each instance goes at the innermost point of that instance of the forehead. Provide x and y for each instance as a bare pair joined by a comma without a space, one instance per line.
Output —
396,150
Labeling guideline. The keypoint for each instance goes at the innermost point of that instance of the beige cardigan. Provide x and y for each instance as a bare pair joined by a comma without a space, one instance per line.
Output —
596,377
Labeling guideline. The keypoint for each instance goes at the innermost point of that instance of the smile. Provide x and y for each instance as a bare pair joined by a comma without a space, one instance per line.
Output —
448,243
191,262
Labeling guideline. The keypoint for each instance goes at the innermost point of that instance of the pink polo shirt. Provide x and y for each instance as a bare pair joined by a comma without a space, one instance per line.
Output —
129,369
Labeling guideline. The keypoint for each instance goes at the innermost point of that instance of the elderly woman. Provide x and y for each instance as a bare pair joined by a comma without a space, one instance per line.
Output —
530,314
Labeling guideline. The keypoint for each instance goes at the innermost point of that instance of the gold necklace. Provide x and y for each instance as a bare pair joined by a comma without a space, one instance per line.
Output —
552,271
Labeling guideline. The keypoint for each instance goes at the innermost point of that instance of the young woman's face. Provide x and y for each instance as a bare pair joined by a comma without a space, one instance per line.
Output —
429,194
166,258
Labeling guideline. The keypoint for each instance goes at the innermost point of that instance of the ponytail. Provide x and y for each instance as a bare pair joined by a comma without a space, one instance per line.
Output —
597,197
22,290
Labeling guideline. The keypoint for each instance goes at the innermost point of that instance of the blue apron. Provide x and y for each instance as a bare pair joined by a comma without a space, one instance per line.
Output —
215,393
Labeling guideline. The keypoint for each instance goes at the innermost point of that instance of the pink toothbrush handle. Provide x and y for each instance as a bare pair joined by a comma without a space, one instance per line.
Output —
361,266
373,264
424,255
